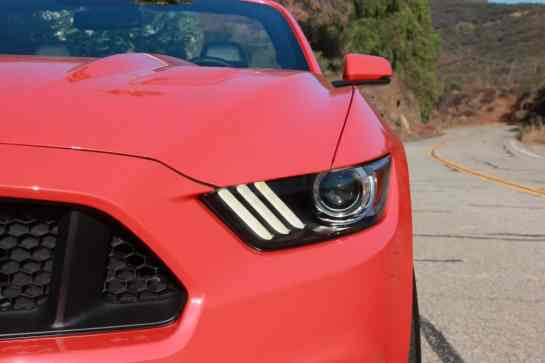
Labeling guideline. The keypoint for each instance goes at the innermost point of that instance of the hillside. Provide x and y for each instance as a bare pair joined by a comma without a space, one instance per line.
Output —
494,45
491,55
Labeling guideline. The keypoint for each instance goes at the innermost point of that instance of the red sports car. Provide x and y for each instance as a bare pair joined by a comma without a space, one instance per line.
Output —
180,183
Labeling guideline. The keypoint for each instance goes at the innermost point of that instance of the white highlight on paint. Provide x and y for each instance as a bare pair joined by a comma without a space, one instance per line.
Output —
280,206
262,209
197,301
244,214
164,64
522,150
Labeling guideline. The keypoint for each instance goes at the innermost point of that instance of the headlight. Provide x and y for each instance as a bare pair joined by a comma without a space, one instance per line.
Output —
306,209
343,197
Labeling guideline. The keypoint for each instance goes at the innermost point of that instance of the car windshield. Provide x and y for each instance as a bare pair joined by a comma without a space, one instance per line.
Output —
208,33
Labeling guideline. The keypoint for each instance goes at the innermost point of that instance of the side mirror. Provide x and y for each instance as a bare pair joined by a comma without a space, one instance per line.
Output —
362,69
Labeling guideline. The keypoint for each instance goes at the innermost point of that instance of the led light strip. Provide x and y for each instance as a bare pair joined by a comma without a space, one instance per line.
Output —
280,206
244,214
262,209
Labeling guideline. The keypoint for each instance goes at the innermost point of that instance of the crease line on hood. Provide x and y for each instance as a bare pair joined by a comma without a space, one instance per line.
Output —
339,140
115,154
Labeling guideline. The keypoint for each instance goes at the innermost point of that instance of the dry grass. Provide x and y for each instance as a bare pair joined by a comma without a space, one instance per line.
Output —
534,134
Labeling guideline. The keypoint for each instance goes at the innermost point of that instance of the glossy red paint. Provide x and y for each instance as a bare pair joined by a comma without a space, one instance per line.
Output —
359,67
364,124
115,134
364,137
140,105
344,300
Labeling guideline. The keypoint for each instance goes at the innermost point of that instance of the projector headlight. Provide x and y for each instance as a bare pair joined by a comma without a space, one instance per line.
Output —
343,197
306,209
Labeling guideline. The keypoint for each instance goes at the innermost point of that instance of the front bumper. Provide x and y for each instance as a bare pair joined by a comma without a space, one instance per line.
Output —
347,300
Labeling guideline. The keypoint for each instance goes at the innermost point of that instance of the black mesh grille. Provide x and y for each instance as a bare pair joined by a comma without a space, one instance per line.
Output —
28,237
134,274
68,268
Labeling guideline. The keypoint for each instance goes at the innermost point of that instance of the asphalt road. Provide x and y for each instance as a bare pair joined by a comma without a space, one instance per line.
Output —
479,248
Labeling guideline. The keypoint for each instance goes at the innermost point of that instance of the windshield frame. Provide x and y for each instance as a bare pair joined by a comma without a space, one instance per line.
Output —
308,53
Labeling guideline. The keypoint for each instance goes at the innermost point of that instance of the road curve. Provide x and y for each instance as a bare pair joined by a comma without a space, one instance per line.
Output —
479,247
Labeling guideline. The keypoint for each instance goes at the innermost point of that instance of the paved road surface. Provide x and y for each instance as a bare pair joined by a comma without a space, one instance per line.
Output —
479,249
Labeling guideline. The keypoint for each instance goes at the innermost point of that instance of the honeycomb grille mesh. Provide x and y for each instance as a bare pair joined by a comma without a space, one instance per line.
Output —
70,268
28,237
135,275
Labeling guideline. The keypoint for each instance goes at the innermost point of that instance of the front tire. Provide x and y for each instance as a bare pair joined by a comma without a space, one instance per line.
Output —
415,353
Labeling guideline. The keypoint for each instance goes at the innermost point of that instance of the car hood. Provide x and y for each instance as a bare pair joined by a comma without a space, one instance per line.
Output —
221,126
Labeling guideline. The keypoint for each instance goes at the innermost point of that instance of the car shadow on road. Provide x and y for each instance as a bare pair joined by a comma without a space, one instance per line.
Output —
439,343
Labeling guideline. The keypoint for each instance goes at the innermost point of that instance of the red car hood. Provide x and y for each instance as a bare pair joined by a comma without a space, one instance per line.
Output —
218,125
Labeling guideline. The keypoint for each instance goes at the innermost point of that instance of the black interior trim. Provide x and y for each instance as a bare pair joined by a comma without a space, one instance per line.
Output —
378,82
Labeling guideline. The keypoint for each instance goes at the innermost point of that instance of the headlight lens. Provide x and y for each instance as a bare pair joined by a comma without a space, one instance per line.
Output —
300,210
343,197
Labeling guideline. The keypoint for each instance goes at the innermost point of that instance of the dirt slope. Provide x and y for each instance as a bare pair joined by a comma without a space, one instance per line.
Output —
491,55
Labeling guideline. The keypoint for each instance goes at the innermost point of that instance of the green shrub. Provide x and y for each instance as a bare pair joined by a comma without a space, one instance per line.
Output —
402,31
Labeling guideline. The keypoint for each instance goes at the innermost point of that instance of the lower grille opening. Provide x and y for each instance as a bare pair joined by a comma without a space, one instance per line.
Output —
66,269
135,275
28,237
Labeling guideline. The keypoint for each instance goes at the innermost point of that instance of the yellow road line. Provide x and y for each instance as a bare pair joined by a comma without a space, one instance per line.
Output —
464,169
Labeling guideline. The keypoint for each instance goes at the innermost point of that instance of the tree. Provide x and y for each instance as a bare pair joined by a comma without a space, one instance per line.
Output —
402,31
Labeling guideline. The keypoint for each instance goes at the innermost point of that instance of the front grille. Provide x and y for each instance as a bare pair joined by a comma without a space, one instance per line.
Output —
66,268
27,243
134,274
